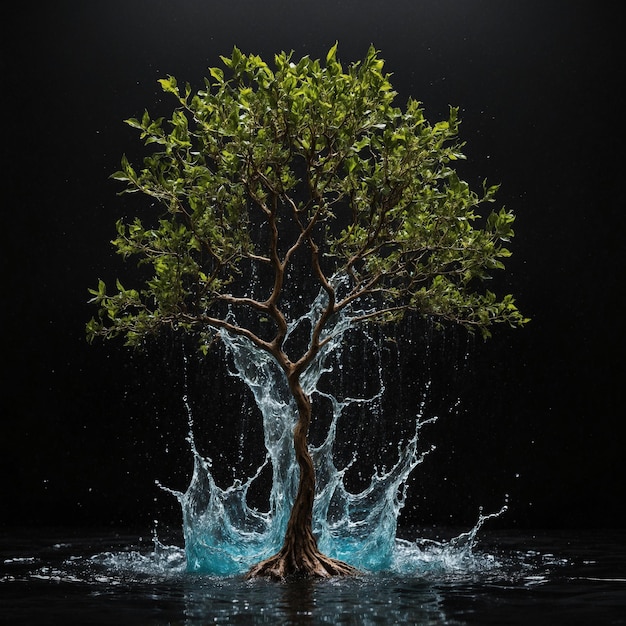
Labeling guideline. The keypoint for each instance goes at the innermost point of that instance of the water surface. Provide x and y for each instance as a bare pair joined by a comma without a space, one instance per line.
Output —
71,577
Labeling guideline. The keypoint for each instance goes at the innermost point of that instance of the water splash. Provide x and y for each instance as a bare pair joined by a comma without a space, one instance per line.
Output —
224,534
454,556
451,559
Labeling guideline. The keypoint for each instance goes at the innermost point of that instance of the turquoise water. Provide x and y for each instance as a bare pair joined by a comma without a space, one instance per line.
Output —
225,534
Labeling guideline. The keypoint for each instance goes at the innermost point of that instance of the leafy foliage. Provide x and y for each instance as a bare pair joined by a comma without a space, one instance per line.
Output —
263,163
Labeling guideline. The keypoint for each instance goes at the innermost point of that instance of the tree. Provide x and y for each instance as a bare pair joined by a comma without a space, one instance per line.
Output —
306,166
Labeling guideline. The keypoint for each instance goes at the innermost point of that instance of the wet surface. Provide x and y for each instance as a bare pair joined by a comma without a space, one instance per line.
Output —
510,578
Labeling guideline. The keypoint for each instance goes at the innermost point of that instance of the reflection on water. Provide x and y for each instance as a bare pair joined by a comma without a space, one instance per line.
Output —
373,600
560,578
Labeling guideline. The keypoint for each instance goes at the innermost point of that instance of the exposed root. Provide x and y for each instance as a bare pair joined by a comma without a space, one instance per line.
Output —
285,565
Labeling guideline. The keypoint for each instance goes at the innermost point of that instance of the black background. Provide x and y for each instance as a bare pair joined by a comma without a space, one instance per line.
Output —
86,430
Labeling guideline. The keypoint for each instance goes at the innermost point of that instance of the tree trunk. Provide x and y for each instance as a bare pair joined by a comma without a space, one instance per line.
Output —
300,556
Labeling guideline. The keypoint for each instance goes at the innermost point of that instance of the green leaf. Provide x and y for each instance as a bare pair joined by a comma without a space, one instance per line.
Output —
121,176
217,73
169,85
133,122
236,57
226,61
332,53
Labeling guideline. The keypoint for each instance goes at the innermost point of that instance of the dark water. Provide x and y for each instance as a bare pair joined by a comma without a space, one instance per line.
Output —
511,578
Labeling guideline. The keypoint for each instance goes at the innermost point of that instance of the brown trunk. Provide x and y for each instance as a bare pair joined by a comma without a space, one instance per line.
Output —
299,556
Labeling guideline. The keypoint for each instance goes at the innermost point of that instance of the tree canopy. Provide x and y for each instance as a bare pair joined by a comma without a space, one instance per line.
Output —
263,162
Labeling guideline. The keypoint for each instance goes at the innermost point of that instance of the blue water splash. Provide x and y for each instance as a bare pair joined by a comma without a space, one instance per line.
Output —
224,535
421,557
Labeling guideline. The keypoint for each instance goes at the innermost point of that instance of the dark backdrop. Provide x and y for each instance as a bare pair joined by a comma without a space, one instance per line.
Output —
86,431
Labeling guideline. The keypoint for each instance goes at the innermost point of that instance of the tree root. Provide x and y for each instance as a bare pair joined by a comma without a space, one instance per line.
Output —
285,565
